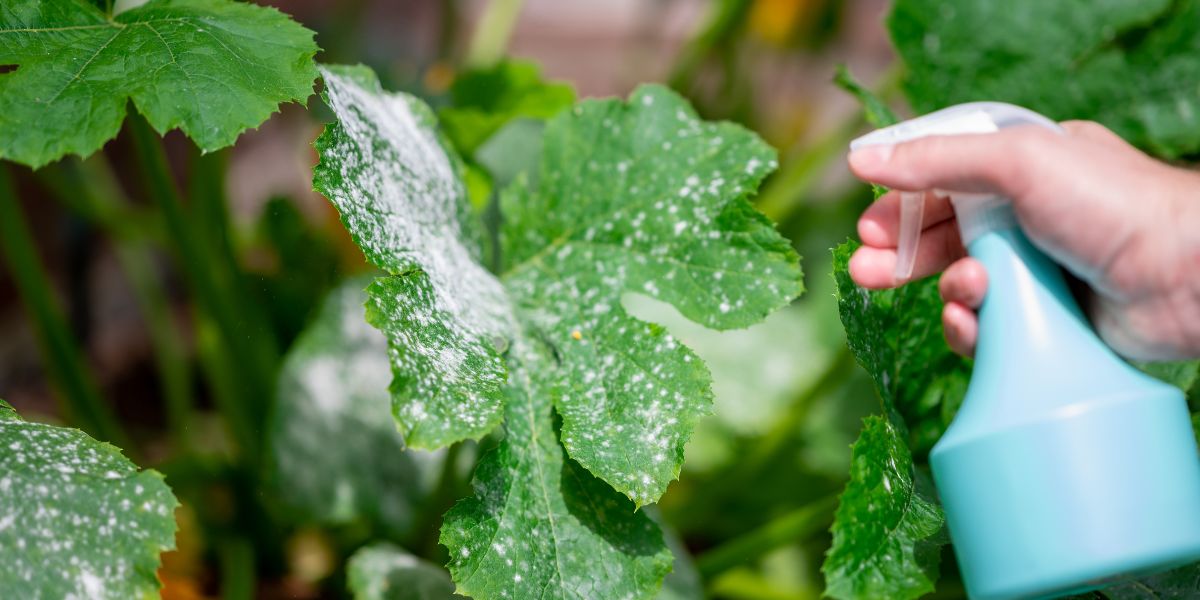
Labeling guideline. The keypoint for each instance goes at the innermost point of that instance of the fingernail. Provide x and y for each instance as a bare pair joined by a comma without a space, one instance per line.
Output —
870,158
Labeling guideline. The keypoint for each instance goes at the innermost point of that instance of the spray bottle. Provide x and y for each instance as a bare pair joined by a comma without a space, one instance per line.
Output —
1066,469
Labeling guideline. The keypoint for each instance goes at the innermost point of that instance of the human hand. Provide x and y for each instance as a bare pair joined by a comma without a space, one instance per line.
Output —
1124,223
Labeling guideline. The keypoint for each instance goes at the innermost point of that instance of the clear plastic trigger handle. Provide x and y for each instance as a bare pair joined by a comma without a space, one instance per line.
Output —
912,213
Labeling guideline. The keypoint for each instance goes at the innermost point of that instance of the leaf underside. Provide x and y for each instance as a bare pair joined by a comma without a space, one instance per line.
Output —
77,519
637,196
1128,65
212,68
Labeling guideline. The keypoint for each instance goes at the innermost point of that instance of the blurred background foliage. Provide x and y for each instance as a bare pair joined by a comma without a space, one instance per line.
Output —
276,498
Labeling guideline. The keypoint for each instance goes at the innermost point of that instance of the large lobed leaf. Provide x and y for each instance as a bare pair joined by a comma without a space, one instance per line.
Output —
77,519
632,196
1129,65
211,68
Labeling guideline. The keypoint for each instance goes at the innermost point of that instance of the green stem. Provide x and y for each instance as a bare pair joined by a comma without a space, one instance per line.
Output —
490,41
201,268
64,361
90,188
236,556
727,19
798,524
786,191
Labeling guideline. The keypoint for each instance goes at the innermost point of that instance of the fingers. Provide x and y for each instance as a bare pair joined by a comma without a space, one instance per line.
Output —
961,327
963,287
873,267
1003,162
964,282
879,225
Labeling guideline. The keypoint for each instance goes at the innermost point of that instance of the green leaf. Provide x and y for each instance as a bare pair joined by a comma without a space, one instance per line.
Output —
896,335
77,519
614,212
877,113
333,386
1129,65
539,524
1184,375
484,100
887,530
1177,584
212,68
386,572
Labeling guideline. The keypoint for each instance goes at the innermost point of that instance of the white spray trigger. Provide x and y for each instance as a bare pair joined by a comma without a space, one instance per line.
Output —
975,117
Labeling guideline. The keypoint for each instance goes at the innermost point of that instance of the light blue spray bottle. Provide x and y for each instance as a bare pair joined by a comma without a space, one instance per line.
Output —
1065,469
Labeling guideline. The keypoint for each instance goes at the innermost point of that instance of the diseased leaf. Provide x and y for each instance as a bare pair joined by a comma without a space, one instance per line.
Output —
333,386
212,68
675,226
484,100
640,196
386,572
540,525
887,530
401,197
896,335
1129,65
77,519
613,212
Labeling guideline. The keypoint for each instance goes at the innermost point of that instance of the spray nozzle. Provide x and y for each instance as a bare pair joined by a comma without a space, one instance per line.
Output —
975,117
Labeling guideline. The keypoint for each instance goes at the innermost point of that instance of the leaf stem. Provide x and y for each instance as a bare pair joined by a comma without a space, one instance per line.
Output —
782,530
90,189
726,20
254,367
489,43
786,190
64,361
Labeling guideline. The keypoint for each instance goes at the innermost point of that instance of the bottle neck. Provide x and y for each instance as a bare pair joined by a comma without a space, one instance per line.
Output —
1033,336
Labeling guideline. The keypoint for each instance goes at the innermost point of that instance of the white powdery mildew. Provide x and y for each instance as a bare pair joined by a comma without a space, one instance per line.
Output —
540,525
643,197
334,387
402,200
77,520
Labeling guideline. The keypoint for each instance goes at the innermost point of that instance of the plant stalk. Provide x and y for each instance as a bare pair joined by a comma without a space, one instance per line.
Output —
489,43
90,188
202,270
64,361
798,524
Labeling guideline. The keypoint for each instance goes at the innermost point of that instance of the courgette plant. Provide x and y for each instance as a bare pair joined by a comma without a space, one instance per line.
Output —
506,231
